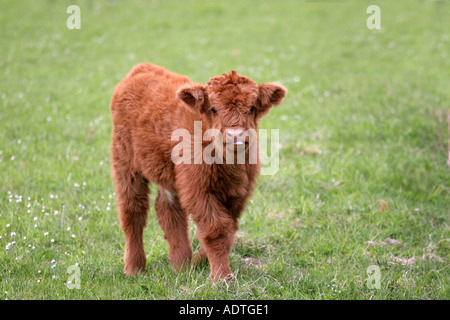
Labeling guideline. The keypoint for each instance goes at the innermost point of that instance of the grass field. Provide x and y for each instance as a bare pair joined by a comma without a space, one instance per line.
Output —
363,137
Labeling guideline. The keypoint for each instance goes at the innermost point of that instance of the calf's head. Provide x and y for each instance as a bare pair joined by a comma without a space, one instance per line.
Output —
232,103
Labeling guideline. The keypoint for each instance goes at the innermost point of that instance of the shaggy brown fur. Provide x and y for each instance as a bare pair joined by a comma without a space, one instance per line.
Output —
147,106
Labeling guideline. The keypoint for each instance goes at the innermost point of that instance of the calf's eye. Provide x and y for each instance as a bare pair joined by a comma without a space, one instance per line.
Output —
252,109
213,110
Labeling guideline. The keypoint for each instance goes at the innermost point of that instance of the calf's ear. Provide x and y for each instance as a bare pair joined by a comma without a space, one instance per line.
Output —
195,96
270,94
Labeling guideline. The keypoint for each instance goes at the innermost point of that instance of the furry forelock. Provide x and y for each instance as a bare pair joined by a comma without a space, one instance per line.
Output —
227,81
232,87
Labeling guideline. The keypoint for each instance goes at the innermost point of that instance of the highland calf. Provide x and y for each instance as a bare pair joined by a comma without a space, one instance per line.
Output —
147,107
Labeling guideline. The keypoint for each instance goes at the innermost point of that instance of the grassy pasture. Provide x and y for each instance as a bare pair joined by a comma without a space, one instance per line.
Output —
363,146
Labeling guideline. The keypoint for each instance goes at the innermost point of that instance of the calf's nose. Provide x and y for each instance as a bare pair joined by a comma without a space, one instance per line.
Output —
235,133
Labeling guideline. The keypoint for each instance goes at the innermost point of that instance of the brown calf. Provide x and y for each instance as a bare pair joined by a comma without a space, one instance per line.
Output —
147,107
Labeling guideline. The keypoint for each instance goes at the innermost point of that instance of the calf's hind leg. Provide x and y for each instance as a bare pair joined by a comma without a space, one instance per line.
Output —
132,193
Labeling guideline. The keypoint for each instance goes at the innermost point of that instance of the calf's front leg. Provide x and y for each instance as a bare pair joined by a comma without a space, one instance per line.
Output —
174,222
216,231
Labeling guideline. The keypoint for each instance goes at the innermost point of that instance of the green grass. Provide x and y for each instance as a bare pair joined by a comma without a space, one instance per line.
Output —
364,123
